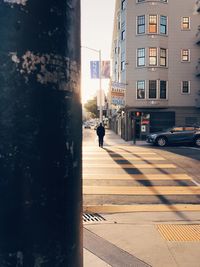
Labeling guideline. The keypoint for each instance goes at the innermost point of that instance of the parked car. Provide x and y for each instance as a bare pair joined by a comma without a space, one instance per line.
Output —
87,126
176,135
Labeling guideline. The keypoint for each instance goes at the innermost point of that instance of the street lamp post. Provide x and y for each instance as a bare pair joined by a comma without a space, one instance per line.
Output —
100,86
41,134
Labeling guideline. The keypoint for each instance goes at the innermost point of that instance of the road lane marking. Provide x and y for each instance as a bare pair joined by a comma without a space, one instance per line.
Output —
140,208
136,176
135,190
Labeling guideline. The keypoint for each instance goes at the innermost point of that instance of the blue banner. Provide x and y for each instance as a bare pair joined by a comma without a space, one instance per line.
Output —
94,69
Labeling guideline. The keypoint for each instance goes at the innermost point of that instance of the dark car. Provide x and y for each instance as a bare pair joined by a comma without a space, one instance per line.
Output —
87,126
176,135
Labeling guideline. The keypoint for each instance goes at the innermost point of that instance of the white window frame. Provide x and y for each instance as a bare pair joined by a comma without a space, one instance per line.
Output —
156,49
123,65
184,93
145,91
123,4
182,19
166,25
141,24
140,66
156,98
123,35
182,50
162,48
155,15
166,90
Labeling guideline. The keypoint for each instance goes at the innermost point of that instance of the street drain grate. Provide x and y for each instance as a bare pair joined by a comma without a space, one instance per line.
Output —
95,217
179,232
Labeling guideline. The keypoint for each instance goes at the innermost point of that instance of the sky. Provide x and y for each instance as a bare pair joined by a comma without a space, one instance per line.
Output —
96,32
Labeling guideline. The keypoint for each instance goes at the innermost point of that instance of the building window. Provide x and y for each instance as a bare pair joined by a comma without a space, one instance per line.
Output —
163,89
165,1
123,35
123,4
122,65
185,87
163,57
152,24
140,24
140,1
163,25
152,56
140,89
140,57
119,25
185,55
185,23
152,89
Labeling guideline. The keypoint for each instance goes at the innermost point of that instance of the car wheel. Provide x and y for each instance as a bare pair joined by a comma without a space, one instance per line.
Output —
197,141
161,141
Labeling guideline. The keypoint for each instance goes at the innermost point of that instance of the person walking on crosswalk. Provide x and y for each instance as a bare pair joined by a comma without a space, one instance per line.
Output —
100,132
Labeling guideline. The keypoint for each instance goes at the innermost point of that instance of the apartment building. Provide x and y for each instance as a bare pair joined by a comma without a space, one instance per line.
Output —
155,80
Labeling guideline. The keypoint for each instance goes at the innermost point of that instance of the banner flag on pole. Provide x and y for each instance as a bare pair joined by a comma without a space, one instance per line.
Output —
105,69
94,69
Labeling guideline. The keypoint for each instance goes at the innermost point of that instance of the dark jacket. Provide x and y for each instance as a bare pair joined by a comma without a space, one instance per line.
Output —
100,131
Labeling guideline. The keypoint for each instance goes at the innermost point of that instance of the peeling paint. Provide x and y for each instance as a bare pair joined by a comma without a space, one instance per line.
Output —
15,58
18,2
48,68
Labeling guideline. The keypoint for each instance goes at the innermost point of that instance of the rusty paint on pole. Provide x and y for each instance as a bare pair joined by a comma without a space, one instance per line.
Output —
40,133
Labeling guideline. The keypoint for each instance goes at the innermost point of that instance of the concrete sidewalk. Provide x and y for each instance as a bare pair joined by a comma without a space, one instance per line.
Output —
158,239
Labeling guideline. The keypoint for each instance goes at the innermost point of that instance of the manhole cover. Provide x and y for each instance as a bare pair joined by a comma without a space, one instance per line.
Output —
95,217
179,232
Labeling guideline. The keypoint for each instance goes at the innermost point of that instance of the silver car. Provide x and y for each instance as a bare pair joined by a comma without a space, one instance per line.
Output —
176,135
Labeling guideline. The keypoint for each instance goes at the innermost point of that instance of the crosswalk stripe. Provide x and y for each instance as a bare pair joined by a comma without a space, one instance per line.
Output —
115,152
137,176
122,158
140,190
140,208
130,166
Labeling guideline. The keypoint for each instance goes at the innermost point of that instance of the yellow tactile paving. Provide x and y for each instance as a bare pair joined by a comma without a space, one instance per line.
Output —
140,208
137,176
180,232
129,166
141,190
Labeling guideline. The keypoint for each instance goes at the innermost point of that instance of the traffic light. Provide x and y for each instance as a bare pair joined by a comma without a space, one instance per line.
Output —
137,114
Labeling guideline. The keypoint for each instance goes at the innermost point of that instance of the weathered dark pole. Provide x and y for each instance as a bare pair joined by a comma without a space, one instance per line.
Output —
40,134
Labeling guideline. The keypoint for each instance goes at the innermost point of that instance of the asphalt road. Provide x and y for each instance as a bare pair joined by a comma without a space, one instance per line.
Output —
128,177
